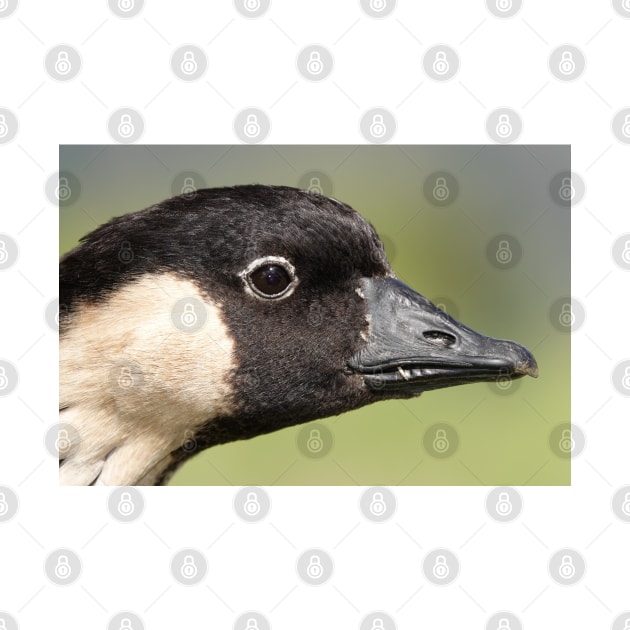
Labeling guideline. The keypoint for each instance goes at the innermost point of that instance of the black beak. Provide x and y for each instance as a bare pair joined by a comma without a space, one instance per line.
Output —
413,346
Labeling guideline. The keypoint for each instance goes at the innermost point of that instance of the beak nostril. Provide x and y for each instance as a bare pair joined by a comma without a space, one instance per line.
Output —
439,338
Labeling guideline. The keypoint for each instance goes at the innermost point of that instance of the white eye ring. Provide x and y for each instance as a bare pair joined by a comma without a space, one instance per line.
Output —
269,260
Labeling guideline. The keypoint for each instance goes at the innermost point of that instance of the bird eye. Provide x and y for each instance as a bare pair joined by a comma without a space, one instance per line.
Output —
270,277
270,280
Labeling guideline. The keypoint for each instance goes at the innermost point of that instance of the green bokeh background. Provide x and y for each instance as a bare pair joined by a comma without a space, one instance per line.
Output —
504,436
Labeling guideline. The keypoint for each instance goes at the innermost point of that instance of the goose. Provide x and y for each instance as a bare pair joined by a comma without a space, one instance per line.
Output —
228,313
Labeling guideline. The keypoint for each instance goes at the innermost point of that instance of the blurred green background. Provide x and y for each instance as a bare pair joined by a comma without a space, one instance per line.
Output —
443,244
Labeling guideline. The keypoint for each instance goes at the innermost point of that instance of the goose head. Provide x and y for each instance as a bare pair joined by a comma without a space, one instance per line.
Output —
234,312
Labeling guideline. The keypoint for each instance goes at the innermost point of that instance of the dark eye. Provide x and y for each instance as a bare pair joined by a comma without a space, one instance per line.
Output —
270,277
270,280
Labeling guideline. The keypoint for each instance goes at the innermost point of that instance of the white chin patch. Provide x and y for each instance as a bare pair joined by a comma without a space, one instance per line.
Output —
140,372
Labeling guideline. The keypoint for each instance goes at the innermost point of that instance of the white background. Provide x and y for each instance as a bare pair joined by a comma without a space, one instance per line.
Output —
251,62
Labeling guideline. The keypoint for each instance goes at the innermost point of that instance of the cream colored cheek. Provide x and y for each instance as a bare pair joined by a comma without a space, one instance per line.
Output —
147,367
